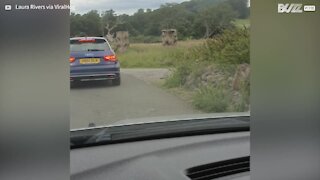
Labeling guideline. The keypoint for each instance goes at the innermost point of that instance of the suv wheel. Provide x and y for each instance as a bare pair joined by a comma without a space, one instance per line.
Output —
116,81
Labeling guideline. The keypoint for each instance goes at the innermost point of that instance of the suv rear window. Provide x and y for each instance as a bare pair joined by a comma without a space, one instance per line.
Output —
97,45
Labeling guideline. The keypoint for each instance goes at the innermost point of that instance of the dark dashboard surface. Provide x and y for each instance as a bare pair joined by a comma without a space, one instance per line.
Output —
161,159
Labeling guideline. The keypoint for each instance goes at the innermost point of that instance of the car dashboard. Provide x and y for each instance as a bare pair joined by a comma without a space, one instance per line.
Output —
166,159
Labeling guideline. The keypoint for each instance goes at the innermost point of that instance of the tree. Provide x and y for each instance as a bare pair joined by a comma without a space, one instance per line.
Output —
241,7
168,5
196,19
110,21
76,25
91,23
216,19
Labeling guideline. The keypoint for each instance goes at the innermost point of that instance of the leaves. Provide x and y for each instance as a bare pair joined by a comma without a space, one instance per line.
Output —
192,19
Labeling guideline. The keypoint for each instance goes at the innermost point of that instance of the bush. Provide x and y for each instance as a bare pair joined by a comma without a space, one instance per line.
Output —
178,77
184,64
231,47
212,99
175,80
242,104
224,52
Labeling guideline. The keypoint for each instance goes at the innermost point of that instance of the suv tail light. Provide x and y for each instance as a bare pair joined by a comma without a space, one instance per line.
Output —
110,58
72,59
87,40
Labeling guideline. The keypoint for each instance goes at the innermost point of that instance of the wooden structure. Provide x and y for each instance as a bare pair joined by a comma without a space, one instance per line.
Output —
122,41
169,37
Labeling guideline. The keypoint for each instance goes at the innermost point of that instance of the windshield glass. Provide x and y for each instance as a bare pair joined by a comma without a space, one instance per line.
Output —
89,47
167,61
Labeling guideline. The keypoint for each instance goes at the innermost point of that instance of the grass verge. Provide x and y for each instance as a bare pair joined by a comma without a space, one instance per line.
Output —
154,55
217,71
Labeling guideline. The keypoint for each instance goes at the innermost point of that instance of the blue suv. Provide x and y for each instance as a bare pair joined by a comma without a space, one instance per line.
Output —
92,59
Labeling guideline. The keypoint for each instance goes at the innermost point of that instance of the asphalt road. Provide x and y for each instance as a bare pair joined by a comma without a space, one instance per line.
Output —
136,97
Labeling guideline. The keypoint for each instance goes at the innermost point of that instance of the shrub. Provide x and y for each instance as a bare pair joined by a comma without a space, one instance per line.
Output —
184,64
212,99
231,47
242,104
178,77
224,52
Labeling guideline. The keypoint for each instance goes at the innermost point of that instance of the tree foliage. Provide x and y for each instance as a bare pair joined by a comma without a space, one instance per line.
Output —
192,19
230,47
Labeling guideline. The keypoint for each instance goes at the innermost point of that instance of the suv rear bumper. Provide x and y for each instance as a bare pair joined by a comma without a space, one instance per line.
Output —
94,77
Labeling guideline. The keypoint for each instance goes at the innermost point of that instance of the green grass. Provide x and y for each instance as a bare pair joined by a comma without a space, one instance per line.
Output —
219,58
242,22
153,55
212,99
192,57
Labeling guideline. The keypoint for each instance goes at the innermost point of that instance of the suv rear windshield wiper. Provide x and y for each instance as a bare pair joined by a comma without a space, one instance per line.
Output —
127,133
95,50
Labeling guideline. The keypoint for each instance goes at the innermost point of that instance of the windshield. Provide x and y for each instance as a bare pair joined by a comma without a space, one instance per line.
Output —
159,62
89,47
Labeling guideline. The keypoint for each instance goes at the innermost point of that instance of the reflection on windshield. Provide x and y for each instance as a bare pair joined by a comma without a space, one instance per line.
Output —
184,58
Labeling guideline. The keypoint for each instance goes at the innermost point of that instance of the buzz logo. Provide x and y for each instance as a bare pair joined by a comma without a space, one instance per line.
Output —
290,8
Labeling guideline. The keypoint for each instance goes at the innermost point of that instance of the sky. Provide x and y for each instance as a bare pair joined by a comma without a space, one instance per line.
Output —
119,6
